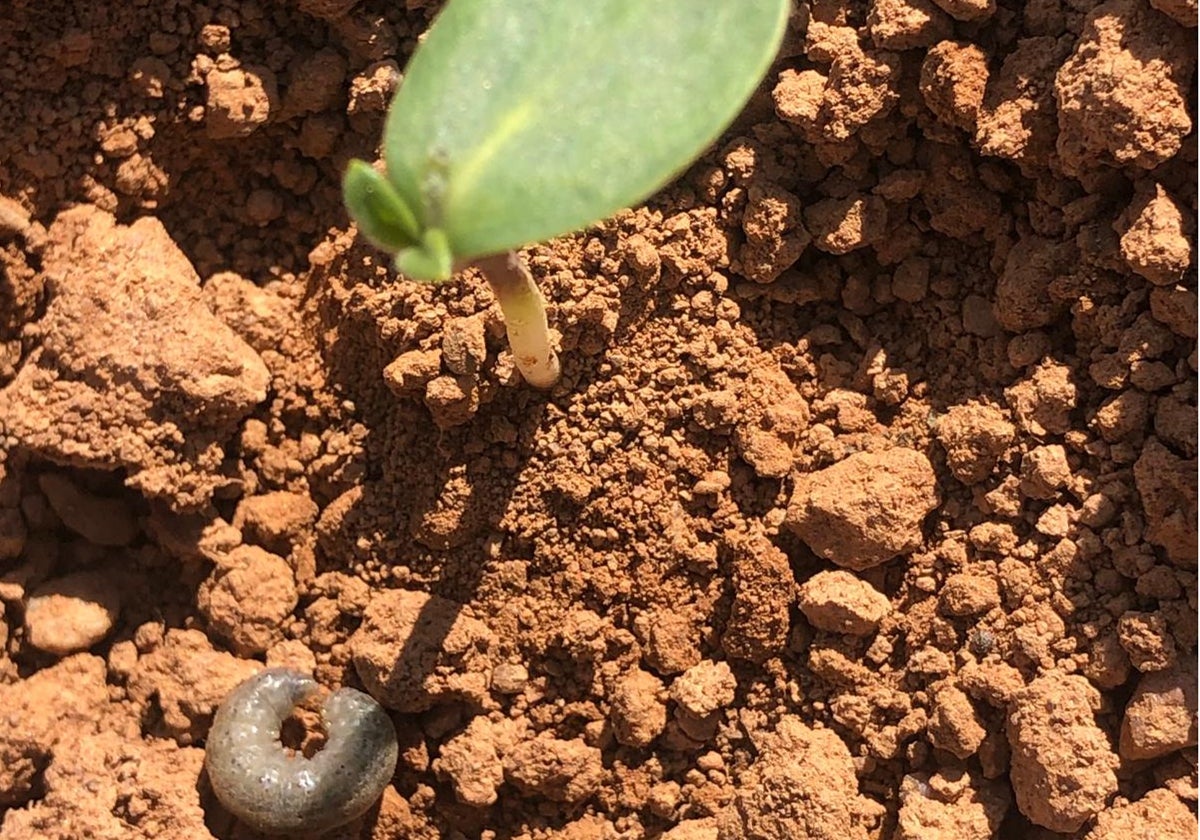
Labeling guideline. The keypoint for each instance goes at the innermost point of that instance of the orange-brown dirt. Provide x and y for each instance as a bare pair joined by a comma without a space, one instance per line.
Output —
865,509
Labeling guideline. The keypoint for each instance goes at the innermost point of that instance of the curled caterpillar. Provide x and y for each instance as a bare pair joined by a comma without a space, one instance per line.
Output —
275,791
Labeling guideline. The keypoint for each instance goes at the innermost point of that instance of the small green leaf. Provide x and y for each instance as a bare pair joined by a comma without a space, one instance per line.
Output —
431,260
520,120
380,212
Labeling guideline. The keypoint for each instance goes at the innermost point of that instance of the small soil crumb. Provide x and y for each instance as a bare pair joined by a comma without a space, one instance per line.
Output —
464,345
1147,639
775,233
1167,486
842,225
671,640
954,724
953,79
907,24
974,437
412,370
73,612
952,805
841,602
247,598
772,415
180,680
1023,289
69,697
415,650
864,510
277,521
240,100
1044,471
125,334
763,593
562,771
639,713
452,400
1159,815
98,519
1161,716
968,593
802,777
471,761
1154,240
1042,401
1063,768
1123,93
704,688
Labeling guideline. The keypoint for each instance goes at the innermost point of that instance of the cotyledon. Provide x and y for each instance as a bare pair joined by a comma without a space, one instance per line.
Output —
277,791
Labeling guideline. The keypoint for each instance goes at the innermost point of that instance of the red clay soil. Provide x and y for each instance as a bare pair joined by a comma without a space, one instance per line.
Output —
865,509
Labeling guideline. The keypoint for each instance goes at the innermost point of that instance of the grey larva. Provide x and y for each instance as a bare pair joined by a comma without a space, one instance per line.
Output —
268,788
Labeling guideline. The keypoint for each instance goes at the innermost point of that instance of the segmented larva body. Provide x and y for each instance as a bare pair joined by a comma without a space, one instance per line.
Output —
275,791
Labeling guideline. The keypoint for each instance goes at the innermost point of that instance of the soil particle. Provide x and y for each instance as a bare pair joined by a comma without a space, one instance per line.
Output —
954,724
1023,289
802,777
1160,717
471,760
1166,484
1155,241
240,100
763,594
415,650
639,713
560,770
73,612
954,77
126,334
968,594
1159,814
1063,769
704,688
276,520
1042,401
775,233
866,509
842,225
907,24
839,602
180,679
671,640
974,437
1122,94
56,703
247,598
950,805
771,417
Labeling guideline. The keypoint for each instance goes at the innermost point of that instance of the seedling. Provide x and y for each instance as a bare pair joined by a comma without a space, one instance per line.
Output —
521,120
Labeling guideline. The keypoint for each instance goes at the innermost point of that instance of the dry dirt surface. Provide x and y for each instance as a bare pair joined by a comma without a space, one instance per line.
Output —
865,509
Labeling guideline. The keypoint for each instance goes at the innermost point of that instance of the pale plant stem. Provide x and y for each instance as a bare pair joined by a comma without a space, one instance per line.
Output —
524,311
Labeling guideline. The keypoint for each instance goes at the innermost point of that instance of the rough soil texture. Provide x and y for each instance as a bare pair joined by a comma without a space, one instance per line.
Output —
865,509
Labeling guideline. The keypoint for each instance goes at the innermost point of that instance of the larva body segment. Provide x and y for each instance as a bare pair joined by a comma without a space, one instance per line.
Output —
275,791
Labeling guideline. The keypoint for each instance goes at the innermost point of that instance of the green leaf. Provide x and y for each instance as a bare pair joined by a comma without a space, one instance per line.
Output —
520,120
430,260
382,215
